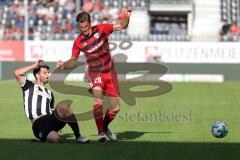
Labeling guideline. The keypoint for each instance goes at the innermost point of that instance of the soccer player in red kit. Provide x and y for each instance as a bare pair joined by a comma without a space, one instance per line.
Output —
102,77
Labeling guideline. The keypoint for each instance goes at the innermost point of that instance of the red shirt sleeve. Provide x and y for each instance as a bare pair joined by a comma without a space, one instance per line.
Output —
75,49
106,28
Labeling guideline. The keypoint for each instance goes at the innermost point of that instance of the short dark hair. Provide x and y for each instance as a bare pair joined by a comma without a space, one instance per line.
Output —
83,17
38,68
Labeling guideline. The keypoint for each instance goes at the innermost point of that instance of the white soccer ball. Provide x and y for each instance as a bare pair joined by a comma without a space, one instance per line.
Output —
219,129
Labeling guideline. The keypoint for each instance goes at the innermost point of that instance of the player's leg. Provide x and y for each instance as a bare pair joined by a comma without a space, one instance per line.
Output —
110,115
53,137
111,111
44,129
112,92
96,88
65,114
98,111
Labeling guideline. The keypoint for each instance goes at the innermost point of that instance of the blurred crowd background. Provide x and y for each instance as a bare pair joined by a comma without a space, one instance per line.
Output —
55,19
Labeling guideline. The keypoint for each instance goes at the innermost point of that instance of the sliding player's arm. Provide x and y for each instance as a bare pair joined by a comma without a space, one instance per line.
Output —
123,24
19,73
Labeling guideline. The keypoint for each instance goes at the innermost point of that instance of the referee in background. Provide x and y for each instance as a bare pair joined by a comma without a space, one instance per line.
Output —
39,106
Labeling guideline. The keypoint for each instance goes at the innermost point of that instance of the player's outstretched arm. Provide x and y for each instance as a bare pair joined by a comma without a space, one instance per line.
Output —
124,21
19,73
68,64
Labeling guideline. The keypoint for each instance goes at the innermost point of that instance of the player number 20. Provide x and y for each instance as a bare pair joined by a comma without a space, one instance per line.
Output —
98,80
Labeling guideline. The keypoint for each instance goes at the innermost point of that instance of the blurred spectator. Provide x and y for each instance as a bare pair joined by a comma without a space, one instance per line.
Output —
1,32
69,27
37,36
70,6
105,15
109,13
9,35
62,2
52,3
18,34
20,23
41,10
32,12
234,29
57,27
18,7
224,29
98,6
4,2
114,12
228,31
87,6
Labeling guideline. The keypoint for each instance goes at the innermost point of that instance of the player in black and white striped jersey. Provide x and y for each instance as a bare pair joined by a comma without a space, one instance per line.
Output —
38,100
39,106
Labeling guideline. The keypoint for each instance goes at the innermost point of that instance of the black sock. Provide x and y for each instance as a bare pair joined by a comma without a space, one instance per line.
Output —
75,129
72,122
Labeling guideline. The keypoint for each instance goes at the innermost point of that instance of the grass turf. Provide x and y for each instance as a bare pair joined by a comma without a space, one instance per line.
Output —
171,126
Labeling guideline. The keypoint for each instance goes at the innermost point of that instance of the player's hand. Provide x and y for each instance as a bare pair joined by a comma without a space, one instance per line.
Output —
127,11
38,62
60,65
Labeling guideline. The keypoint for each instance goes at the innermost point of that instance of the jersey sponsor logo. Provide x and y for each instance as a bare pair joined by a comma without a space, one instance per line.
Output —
96,35
43,94
95,47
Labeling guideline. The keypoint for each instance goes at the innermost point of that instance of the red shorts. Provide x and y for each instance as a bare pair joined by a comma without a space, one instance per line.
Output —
107,81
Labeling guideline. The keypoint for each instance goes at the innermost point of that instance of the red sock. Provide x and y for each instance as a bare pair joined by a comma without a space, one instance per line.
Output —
98,115
109,116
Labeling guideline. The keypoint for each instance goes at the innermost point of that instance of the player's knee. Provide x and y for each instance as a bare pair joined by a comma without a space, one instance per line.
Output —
98,102
53,137
97,89
98,92
115,109
97,107
65,105
98,110
64,108
55,140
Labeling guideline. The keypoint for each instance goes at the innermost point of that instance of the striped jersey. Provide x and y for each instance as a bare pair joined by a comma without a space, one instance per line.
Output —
95,48
38,100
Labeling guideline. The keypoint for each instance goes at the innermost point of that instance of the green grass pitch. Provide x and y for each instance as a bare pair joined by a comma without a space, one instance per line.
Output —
172,126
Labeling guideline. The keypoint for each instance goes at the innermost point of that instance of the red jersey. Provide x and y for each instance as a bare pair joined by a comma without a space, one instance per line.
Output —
95,48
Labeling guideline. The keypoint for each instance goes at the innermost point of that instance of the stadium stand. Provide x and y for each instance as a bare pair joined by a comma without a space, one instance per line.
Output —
171,1
55,19
230,16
